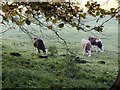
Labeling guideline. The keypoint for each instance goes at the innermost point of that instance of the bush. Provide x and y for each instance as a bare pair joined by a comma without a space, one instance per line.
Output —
53,50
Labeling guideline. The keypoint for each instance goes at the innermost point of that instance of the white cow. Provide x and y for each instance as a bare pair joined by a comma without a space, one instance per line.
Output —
86,46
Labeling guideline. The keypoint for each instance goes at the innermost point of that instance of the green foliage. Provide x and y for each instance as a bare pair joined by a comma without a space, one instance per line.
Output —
54,12
49,27
70,69
61,25
27,21
53,50
54,21
99,29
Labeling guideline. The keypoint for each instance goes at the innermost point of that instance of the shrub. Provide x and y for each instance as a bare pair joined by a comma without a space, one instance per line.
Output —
53,50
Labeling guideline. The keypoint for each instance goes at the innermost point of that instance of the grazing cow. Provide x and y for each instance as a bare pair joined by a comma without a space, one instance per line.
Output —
86,46
96,42
38,43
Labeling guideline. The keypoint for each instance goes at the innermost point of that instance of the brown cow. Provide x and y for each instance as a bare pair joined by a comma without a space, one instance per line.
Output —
38,43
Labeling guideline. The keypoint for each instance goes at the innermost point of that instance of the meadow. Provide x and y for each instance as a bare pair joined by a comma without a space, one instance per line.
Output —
30,71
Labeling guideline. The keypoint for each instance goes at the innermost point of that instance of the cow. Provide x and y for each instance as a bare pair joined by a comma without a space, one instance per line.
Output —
38,43
96,42
86,46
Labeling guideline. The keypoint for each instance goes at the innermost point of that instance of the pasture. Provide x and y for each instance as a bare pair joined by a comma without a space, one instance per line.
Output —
29,71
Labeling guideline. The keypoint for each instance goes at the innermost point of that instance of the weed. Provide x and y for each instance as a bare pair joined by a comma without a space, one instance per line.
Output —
53,51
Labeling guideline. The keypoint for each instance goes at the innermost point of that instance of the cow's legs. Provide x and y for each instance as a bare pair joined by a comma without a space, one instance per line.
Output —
102,50
83,51
97,49
44,53
89,53
38,50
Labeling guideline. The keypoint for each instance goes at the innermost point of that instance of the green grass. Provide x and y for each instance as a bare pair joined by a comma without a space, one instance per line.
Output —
29,71
56,72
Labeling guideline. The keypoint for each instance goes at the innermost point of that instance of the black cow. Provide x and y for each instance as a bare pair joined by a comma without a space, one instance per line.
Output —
96,42
38,43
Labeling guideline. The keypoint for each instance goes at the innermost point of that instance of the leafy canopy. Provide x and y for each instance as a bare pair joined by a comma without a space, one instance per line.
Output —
54,13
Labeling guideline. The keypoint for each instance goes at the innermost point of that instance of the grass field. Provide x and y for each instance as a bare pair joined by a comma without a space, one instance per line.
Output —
29,71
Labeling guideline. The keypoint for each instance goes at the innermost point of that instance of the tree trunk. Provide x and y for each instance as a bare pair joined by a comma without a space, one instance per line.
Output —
116,84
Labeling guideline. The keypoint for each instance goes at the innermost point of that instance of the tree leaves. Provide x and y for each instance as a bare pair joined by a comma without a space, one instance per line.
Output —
88,4
20,22
77,8
49,27
73,24
97,13
58,4
112,9
54,21
27,21
83,15
88,26
5,17
61,25
99,29
28,12
78,27
55,12
14,13
5,8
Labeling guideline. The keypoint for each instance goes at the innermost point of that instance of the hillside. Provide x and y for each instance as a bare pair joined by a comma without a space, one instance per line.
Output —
30,71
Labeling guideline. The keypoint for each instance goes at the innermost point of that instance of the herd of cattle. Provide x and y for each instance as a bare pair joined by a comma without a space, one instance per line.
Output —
86,45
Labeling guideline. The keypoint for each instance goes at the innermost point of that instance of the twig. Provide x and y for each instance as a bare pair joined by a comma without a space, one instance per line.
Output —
105,3
10,27
65,43
106,21
4,31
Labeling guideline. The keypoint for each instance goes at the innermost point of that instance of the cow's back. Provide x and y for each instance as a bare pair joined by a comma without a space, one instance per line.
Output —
86,44
92,40
39,44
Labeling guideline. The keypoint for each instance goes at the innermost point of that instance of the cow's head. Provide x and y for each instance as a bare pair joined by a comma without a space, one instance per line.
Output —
86,45
34,38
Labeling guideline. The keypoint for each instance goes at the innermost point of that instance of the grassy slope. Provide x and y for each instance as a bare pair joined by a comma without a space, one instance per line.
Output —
30,71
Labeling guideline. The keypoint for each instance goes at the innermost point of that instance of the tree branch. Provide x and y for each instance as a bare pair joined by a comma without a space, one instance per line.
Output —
106,21
105,3
10,27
